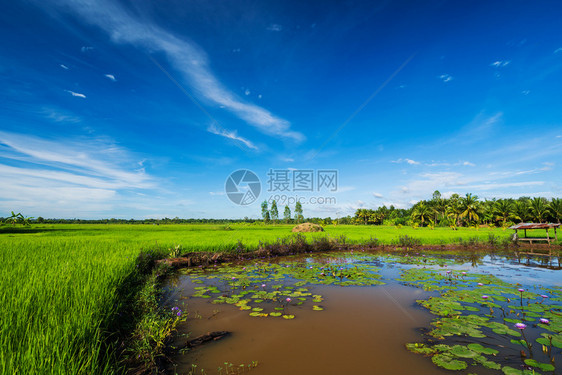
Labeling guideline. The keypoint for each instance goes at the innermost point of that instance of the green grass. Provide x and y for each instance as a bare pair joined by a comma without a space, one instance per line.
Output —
59,285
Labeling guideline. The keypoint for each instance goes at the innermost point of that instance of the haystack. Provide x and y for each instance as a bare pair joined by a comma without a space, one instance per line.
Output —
308,227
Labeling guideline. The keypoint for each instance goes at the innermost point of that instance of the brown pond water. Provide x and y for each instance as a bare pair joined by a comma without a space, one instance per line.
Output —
362,330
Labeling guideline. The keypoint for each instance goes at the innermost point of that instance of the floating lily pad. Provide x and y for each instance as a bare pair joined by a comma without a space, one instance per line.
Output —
448,362
542,366
482,349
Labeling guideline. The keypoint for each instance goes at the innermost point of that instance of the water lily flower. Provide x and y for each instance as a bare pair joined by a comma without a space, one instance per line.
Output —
288,299
464,273
544,321
485,296
448,271
521,290
480,284
263,285
544,296
520,326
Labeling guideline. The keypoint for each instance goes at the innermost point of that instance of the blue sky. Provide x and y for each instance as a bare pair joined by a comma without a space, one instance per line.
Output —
143,109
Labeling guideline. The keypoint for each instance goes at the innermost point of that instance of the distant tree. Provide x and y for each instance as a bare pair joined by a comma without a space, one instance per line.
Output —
287,214
469,206
40,220
274,212
421,213
539,209
298,213
265,212
454,209
503,209
555,208
522,210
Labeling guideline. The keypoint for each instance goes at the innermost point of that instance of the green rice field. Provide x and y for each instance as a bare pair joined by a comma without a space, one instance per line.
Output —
59,284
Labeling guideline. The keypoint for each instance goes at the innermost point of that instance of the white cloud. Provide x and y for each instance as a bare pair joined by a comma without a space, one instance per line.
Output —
274,27
406,160
378,195
76,94
469,164
185,56
526,92
247,92
446,77
558,50
65,178
231,135
110,76
64,66
217,193
58,116
500,63
85,49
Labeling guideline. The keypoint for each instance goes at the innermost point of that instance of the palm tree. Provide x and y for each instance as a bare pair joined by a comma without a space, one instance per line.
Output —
539,208
522,210
503,209
421,212
555,208
454,209
469,206
487,209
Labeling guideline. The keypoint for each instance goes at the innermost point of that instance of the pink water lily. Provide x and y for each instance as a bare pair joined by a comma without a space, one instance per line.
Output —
520,326
544,321
485,296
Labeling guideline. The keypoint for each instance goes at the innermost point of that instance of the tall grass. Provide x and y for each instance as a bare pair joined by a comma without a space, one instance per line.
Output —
57,298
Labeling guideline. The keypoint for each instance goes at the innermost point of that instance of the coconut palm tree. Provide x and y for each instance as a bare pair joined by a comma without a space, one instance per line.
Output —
555,208
421,212
503,208
469,206
539,209
522,210
454,209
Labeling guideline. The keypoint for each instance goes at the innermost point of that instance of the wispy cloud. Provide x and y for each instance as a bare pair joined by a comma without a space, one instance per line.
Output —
58,115
64,66
500,63
110,76
378,195
558,50
406,160
64,177
214,129
85,49
274,27
446,77
76,94
186,57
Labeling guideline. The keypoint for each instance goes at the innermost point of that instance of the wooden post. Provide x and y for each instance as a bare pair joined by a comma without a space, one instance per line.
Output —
525,232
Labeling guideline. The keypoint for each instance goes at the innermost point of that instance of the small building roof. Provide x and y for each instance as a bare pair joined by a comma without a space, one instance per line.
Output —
534,226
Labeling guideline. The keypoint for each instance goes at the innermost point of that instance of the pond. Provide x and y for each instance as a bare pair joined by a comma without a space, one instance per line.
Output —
360,312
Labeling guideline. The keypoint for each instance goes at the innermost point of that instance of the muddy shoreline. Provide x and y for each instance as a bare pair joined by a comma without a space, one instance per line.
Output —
272,251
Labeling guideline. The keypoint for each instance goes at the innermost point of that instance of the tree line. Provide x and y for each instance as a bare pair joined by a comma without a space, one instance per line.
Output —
457,211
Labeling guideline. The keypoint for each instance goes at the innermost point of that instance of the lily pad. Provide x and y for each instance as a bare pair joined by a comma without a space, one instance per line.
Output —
448,362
